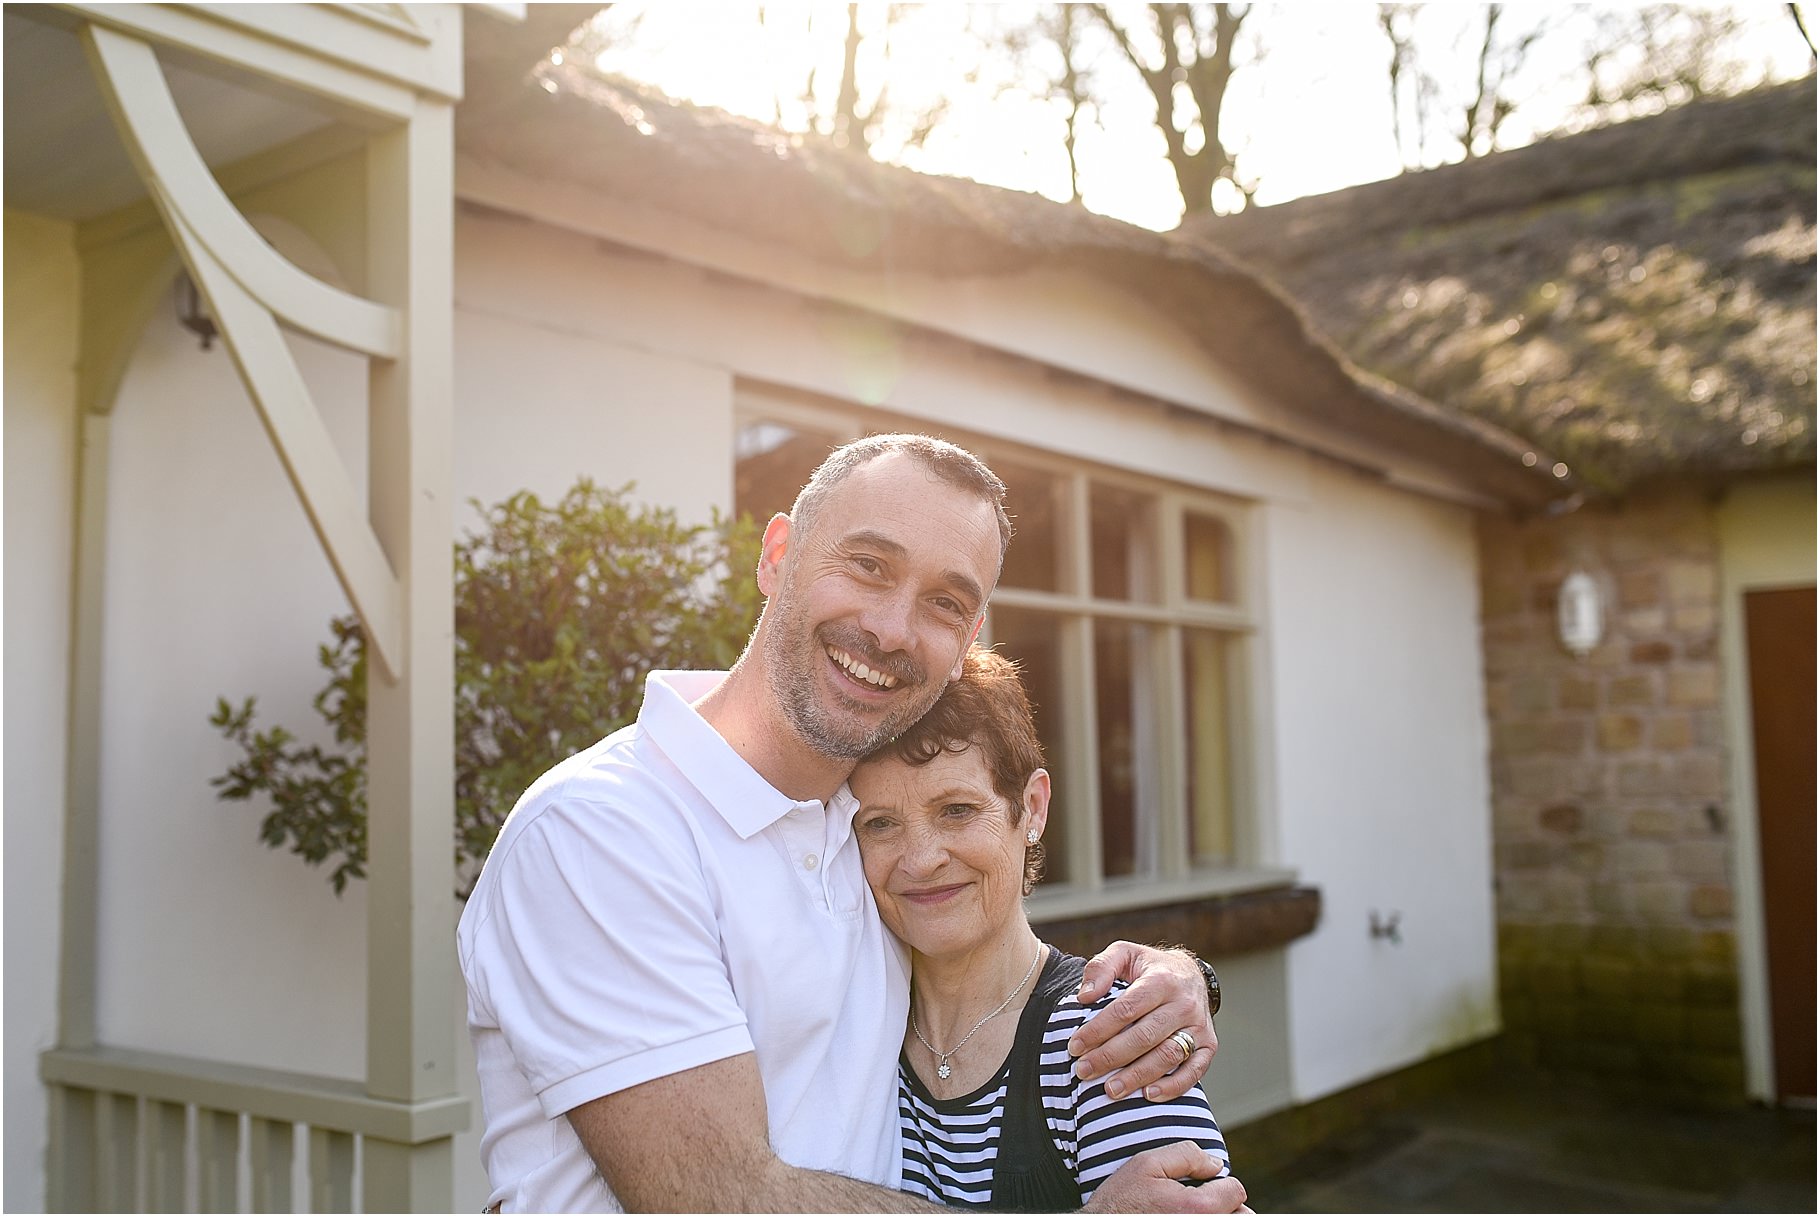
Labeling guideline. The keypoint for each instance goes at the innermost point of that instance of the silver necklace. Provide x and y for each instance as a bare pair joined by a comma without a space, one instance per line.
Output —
943,1069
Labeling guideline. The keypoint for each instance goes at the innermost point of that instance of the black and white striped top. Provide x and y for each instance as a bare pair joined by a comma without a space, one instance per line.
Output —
949,1145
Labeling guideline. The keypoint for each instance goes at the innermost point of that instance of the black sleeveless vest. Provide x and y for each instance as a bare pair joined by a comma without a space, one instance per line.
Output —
1029,1175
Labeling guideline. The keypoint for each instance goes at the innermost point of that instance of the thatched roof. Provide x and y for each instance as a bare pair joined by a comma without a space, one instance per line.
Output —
1638,299
627,142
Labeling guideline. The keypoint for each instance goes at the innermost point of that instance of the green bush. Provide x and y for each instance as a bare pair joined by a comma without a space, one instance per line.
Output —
560,610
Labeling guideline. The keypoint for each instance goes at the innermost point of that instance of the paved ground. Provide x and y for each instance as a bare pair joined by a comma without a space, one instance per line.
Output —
1533,1145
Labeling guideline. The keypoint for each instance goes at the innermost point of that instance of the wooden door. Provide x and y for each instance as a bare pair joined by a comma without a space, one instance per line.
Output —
1779,636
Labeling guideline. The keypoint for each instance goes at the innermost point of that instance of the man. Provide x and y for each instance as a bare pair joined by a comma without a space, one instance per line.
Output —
680,993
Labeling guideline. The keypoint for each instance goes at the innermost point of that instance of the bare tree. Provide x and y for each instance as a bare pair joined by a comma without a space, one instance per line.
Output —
1469,95
1794,10
1184,53
1492,101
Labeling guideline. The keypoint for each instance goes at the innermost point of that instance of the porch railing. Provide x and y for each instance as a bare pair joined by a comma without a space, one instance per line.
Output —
146,1132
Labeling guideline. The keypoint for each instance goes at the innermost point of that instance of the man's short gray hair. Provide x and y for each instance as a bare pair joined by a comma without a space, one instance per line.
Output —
952,464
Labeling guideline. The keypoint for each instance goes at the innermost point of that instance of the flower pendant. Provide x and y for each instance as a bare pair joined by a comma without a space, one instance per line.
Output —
943,1072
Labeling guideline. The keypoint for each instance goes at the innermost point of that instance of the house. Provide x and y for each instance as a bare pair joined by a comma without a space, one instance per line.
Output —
1639,300
1246,581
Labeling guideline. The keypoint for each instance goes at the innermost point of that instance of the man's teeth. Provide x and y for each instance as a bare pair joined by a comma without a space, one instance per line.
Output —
860,671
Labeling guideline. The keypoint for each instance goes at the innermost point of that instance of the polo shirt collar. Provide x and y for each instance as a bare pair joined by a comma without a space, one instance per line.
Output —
747,802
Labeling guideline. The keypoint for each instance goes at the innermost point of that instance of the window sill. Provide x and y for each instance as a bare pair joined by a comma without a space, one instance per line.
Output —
1218,914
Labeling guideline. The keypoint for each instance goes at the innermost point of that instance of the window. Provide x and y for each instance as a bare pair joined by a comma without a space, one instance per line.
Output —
1131,619
1125,601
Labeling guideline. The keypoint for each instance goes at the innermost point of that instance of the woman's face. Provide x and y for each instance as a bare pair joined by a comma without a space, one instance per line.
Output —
943,850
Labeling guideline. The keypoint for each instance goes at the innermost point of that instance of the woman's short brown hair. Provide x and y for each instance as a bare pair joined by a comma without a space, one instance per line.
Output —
987,709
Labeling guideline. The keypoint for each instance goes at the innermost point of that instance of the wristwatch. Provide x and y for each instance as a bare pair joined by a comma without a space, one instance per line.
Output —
1213,986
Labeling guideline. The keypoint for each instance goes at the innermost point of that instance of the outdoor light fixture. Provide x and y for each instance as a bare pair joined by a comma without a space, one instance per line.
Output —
190,313
1580,613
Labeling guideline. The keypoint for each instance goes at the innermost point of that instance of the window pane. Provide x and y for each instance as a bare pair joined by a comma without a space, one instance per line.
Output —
1034,640
771,461
1124,544
1124,701
1204,671
1033,498
1207,558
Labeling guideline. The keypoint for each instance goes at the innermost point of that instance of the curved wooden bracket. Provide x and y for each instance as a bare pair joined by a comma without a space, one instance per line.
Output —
249,286
147,116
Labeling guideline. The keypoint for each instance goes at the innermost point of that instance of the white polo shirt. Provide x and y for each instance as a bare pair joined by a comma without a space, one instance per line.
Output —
652,905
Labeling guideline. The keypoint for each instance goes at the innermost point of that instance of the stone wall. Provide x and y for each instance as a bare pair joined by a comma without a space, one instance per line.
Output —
1611,819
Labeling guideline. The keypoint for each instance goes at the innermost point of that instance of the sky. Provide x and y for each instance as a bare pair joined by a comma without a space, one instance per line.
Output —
1313,116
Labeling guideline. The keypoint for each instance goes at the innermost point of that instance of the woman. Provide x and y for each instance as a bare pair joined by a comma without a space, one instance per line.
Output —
950,827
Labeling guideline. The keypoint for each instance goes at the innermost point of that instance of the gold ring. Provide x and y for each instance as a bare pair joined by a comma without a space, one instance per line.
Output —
1184,1039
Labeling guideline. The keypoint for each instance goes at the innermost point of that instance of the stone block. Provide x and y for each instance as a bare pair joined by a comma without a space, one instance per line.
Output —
1712,1029
1564,897
1640,859
1611,900
1701,647
1542,551
1716,949
1658,984
1615,941
1554,979
1636,689
1672,732
1717,1074
1701,860
1517,736
1658,1024
1699,776
1670,944
1531,694
1655,651
1565,736
1709,728
1602,1018
1606,976
1564,818
1655,822
1710,900
1642,778
1713,989
1640,588
1577,693
1586,858
1610,1057
1523,855
1692,582
1608,655
1501,596
1619,732
1643,622
1660,901
1694,685
1697,619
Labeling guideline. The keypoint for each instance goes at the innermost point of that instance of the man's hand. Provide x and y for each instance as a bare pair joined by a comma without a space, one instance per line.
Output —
1151,1183
1167,993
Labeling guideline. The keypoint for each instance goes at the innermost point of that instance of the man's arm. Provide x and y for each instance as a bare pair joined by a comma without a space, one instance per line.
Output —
699,1142
1166,993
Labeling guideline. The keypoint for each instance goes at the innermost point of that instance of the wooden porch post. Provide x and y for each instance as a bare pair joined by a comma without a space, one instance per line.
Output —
410,727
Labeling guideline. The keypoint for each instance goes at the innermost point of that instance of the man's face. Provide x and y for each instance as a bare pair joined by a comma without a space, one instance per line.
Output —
871,613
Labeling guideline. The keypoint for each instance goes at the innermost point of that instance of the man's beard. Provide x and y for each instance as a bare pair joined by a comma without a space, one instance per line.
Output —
840,733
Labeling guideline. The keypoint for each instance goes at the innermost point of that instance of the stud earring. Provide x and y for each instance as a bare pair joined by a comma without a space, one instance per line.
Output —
1031,836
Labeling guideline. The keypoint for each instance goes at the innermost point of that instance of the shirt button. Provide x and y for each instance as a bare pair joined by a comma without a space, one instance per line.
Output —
810,861
795,813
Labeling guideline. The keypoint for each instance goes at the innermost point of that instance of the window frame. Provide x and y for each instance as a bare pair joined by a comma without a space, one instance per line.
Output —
1175,876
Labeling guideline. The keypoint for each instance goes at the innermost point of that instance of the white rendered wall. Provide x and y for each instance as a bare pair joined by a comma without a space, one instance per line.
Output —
1383,787
42,293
